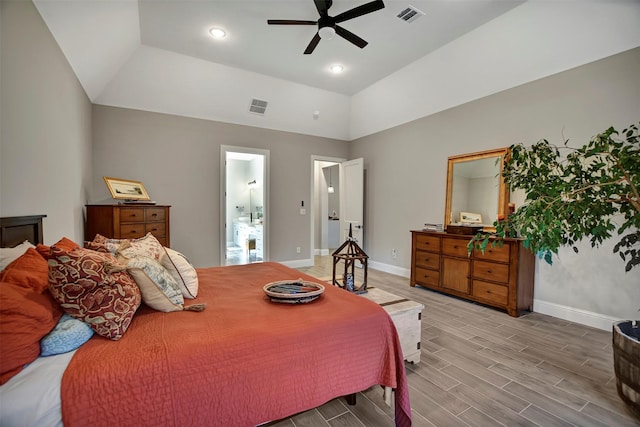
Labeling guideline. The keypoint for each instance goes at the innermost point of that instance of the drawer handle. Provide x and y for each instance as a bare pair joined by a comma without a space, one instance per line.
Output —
133,215
133,231
154,229
155,214
489,271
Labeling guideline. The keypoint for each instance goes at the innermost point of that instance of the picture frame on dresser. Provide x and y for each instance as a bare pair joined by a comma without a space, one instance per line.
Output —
126,189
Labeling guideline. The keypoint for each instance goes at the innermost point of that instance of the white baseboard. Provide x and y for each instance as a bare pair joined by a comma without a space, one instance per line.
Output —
391,269
584,317
321,252
298,263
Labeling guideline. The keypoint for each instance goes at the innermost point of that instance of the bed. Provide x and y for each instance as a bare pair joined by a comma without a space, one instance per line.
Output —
243,361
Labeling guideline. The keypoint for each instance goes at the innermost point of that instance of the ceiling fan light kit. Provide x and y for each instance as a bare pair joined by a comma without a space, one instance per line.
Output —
328,25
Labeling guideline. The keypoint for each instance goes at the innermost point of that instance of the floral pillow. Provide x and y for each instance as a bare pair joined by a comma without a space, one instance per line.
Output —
145,246
87,286
159,290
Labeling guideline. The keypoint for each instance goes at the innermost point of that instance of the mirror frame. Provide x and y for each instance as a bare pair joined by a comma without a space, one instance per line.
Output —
503,192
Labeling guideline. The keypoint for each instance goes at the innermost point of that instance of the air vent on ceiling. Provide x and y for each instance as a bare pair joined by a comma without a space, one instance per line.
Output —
258,107
410,14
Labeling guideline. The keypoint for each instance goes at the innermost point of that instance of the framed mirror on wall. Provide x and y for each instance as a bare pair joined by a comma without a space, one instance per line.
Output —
476,192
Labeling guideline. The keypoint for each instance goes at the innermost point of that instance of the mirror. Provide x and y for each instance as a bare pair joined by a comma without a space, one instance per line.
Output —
476,192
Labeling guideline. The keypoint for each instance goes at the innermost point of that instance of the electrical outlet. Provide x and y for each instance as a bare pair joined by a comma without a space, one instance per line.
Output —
298,249
303,211
393,253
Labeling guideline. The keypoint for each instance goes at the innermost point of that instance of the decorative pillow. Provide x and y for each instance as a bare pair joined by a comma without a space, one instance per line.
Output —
159,290
8,255
66,336
182,271
63,244
88,288
25,317
145,246
29,270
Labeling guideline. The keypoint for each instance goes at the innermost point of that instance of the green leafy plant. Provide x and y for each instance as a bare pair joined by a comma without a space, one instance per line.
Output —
574,193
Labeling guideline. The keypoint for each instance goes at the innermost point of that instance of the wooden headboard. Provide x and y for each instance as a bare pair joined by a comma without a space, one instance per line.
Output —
16,229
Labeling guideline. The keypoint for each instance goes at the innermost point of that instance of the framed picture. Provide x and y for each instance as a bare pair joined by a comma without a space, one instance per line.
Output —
126,189
470,217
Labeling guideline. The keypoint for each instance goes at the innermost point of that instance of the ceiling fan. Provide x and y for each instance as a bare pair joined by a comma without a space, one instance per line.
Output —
327,25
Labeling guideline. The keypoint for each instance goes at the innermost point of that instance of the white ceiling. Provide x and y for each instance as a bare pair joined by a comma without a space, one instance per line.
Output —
157,55
277,51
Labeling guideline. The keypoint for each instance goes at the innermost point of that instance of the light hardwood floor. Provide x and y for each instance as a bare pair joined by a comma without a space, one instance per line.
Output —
481,367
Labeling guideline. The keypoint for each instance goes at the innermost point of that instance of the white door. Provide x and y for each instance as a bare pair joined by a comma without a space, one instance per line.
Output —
352,200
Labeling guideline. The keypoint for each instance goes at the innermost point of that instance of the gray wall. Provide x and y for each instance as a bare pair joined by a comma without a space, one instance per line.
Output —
178,160
45,122
406,171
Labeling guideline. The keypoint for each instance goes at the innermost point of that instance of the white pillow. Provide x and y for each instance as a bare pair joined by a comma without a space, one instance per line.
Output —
182,271
8,255
159,290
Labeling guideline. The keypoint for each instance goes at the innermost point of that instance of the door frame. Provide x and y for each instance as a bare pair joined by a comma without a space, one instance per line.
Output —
223,197
315,186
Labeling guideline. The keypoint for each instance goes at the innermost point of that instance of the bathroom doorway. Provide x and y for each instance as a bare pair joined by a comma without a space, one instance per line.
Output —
244,182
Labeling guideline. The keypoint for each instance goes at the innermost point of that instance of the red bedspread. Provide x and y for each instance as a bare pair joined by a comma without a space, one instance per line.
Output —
243,361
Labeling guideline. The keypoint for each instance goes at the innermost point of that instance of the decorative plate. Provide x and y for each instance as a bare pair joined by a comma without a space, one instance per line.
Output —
293,291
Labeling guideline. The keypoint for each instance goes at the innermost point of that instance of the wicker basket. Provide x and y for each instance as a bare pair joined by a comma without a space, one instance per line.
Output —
626,361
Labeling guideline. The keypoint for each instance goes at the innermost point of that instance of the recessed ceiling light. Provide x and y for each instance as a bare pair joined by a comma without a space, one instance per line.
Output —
217,33
336,68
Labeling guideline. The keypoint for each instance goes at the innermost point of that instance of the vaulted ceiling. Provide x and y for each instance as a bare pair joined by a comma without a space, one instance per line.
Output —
158,55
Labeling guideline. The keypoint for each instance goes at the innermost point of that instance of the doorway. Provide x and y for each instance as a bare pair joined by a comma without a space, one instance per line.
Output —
244,208
325,215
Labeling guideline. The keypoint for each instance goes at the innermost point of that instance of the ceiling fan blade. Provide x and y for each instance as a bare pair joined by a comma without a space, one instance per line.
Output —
349,36
289,22
312,45
359,11
323,6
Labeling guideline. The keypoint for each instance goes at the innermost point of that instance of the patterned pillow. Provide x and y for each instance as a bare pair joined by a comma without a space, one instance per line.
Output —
86,286
159,290
182,271
146,246
68,335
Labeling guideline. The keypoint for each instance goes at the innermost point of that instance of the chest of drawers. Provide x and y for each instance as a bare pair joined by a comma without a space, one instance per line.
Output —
501,277
128,222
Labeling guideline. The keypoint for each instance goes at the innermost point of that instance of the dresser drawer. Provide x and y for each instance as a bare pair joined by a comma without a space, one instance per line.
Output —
131,214
428,260
498,294
455,247
132,231
154,214
499,253
427,243
427,277
155,228
491,271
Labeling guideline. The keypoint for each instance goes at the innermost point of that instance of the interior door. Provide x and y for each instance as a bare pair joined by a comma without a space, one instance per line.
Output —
352,200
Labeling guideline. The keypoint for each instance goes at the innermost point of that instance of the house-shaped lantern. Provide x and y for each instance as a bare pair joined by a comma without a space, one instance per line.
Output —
350,252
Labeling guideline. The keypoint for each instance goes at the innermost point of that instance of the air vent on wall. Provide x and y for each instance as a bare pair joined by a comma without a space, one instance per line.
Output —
410,14
258,107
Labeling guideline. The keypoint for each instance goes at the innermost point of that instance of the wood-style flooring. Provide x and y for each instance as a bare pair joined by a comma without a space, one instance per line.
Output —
481,367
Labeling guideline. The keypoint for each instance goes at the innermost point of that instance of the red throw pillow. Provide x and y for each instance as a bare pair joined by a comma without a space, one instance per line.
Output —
25,317
86,286
64,244
30,270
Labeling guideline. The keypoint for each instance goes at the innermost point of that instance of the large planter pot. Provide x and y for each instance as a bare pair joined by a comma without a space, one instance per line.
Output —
626,361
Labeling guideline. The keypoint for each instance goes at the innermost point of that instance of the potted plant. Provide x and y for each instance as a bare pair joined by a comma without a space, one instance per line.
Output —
591,192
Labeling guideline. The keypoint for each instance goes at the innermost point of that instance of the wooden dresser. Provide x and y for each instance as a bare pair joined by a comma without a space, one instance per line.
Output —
501,277
128,222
